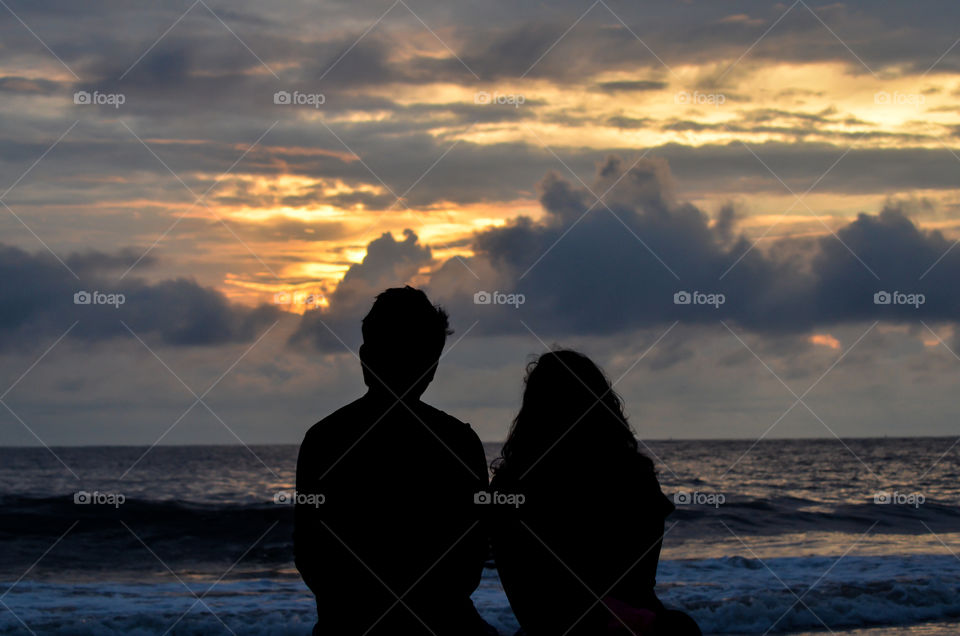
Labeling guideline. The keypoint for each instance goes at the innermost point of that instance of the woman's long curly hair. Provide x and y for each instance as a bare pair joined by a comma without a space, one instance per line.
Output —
569,410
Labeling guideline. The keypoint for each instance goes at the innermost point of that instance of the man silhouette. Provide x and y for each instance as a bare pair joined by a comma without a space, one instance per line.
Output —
391,542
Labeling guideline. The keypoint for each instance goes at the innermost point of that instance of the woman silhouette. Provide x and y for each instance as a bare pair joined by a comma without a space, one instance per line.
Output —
577,544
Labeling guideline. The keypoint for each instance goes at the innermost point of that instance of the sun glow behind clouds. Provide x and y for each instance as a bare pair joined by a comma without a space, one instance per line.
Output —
797,102
819,101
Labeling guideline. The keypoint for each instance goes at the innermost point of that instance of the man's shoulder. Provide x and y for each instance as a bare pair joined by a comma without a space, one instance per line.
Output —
331,424
450,423
436,413
459,438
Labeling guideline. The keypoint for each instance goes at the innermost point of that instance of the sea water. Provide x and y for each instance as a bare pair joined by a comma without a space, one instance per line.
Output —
781,536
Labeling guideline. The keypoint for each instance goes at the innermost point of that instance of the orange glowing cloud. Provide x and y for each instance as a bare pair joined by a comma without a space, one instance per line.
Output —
825,340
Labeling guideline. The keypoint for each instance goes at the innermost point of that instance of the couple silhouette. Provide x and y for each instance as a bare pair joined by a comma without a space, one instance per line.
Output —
574,512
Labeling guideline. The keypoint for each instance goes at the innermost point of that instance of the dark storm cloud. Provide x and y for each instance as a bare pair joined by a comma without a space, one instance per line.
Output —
15,84
887,37
91,262
629,122
629,86
613,271
39,303
801,133
303,42
601,277
734,168
460,113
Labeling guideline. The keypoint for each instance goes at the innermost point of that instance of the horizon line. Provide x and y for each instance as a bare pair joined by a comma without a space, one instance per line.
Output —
647,439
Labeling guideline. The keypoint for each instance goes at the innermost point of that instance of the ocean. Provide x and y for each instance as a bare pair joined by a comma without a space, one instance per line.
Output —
855,536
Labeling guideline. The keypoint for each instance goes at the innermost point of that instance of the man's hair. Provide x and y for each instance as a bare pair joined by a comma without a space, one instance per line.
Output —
404,319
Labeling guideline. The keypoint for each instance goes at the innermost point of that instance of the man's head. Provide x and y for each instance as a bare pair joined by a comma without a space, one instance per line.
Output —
403,336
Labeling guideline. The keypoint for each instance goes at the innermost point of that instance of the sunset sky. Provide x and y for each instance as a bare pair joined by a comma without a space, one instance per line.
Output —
596,158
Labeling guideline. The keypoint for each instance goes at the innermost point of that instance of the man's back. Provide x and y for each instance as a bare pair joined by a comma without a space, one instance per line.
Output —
397,520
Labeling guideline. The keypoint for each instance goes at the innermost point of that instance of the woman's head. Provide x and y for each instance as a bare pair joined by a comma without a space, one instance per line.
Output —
569,408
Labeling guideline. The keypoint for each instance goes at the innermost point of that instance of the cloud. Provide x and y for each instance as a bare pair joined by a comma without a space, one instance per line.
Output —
629,86
200,98
609,270
39,303
619,268
588,268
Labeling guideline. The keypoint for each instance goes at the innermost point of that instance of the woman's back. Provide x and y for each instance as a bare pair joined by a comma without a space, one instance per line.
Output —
582,534
579,555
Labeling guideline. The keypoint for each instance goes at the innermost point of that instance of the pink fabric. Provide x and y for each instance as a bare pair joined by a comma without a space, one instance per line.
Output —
626,619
